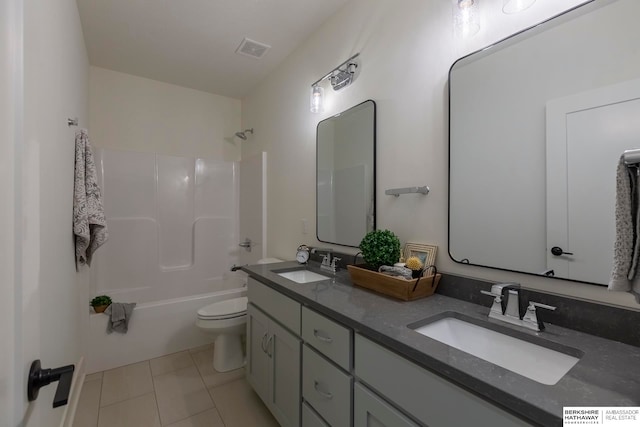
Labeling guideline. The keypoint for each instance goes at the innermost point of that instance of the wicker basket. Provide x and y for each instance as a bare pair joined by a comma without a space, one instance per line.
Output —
393,286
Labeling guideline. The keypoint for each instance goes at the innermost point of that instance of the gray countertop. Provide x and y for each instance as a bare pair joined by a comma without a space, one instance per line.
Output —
608,373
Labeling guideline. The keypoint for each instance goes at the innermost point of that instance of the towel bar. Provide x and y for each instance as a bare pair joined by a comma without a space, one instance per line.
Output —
407,190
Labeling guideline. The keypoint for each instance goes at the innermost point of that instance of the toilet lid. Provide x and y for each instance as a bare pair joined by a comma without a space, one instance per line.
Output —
224,309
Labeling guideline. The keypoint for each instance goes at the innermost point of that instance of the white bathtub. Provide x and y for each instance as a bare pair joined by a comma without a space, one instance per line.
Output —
156,329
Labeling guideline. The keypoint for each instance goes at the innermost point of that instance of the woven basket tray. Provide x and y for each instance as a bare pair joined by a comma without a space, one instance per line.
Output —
393,286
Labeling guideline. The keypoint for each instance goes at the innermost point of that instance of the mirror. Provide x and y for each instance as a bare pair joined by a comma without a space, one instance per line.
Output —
538,123
346,175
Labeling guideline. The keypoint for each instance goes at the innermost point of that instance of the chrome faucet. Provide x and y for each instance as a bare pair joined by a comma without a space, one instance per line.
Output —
328,262
507,307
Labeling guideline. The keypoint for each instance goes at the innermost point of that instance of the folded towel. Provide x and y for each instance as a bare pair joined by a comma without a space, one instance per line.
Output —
120,316
89,224
626,251
396,271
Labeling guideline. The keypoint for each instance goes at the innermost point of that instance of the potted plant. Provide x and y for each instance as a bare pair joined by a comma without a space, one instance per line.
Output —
100,303
380,247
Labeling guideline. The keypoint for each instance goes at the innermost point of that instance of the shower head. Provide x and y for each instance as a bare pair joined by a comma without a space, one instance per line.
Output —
242,135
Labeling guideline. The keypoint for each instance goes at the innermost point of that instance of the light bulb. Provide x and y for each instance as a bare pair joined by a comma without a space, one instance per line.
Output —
317,99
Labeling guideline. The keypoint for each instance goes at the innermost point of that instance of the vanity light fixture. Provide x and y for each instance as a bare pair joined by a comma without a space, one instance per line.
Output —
466,18
515,6
340,77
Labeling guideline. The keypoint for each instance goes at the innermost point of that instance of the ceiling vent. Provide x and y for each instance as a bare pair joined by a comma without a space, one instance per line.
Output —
252,48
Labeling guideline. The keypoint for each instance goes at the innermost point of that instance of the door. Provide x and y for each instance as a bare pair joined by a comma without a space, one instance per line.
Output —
258,362
284,350
587,133
10,373
253,206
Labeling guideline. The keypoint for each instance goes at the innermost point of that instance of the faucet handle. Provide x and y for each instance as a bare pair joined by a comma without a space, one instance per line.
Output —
533,305
531,317
492,294
334,261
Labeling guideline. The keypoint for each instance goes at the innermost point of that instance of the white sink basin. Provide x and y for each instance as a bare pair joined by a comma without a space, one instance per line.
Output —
535,362
303,276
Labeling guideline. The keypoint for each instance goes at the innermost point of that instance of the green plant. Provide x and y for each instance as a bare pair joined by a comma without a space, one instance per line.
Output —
100,300
380,247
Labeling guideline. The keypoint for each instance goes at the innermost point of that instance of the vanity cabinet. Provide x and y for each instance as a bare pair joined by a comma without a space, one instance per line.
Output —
273,352
429,398
369,410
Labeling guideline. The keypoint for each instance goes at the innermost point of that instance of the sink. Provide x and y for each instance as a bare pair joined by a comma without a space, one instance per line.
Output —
302,276
536,362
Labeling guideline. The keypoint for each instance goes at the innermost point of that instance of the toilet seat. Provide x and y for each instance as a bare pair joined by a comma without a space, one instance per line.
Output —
227,309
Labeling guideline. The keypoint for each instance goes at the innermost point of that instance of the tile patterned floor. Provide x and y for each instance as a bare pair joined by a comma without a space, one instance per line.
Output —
177,390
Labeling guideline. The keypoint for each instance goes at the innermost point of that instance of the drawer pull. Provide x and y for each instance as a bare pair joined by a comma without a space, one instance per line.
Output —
321,337
324,394
262,344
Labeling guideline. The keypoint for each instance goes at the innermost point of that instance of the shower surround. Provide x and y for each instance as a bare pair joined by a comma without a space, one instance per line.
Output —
173,226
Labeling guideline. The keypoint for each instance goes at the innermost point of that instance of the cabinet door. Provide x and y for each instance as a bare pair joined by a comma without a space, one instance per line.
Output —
371,411
284,349
258,362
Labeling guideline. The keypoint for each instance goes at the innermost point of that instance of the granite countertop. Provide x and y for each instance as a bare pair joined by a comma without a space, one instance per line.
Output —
608,373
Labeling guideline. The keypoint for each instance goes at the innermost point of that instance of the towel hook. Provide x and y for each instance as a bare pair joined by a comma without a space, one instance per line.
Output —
72,122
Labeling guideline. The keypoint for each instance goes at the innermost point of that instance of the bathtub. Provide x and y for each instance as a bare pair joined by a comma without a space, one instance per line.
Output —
156,329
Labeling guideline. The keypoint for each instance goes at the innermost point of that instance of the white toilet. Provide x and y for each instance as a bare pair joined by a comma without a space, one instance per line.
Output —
227,319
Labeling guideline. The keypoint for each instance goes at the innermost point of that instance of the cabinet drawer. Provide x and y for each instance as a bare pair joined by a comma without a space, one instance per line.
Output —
310,418
426,396
326,388
281,308
328,337
370,410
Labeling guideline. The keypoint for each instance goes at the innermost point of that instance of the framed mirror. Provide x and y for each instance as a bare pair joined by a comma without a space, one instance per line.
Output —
346,175
537,126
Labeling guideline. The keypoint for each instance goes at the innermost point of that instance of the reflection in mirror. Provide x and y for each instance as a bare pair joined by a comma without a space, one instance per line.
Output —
345,180
538,123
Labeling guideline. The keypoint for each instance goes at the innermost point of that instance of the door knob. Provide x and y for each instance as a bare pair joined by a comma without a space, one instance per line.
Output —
557,251
39,377
246,244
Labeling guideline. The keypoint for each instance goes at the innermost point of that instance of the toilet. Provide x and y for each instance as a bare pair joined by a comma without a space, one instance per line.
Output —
227,320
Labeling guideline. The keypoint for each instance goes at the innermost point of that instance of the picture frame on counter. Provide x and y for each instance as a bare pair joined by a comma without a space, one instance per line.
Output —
426,253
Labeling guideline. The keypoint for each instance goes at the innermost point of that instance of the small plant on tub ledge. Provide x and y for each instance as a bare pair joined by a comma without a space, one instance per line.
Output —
380,247
100,303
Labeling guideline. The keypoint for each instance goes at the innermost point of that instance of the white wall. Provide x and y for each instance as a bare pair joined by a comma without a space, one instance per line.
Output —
406,51
138,114
54,296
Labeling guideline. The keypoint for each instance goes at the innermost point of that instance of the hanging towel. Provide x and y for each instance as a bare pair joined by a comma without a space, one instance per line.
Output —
626,251
120,313
89,224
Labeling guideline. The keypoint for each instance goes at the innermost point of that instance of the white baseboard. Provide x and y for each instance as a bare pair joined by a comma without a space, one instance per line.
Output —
74,394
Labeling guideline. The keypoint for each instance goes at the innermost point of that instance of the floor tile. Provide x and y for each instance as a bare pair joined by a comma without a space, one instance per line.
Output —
240,406
88,405
181,394
211,377
125,383
137,412
209,418
170,363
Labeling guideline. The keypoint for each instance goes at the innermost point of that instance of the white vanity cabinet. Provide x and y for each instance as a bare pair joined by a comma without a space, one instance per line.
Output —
273,351
369,410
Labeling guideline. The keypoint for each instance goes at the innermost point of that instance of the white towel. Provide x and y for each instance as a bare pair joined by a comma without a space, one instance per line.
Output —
626,251
89,224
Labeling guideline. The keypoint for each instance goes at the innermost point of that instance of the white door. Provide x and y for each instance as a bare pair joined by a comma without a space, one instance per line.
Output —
10,49
253,205
587,133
